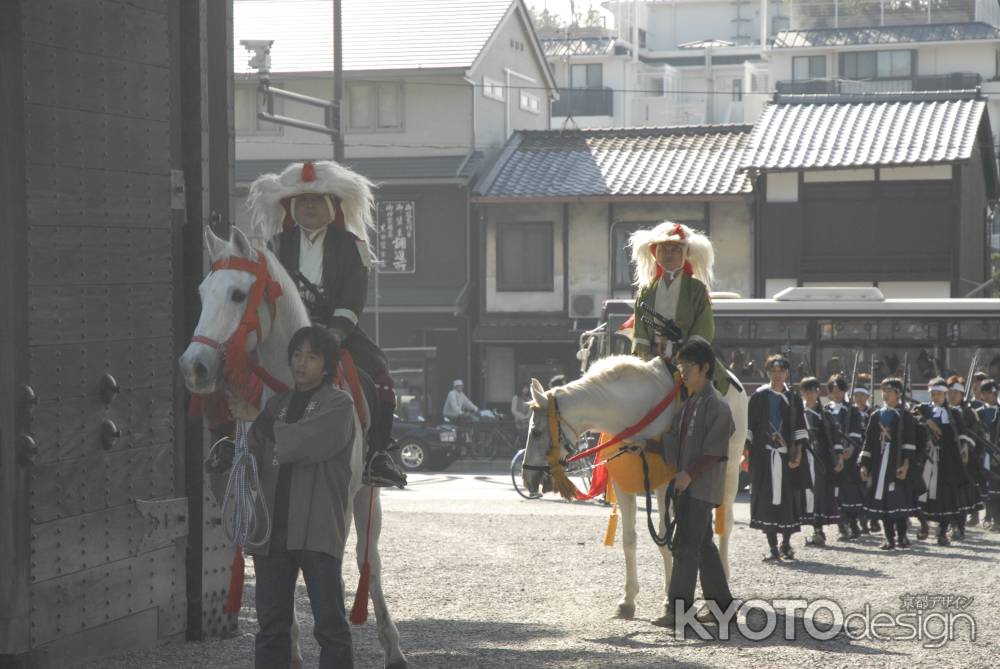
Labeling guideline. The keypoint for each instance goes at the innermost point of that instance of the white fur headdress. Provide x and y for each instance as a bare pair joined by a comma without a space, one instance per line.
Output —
270,196
700,254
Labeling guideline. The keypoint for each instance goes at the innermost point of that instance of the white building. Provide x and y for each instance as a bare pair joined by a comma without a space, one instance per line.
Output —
665,63
875,47
431,92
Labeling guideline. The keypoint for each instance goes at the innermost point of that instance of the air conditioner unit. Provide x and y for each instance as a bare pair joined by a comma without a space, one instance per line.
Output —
583,305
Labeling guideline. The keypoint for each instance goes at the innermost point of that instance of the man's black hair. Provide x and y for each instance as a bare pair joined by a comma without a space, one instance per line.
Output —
837,381
809,383
320,341
980,376
699,352
776,359
988,386
557,380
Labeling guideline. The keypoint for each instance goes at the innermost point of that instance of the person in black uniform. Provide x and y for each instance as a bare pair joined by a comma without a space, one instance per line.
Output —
819,501
318,216
989,418
777,434
849,489
950,494
890,446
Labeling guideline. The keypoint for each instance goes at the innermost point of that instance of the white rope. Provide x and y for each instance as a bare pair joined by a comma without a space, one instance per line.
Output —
245,518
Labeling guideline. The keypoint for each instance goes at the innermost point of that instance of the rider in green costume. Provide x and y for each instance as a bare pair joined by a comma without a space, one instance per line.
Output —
673,272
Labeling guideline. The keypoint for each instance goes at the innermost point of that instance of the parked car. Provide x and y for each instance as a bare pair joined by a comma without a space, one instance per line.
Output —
422,445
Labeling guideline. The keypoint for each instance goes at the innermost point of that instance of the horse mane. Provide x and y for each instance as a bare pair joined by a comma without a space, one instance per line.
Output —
614,368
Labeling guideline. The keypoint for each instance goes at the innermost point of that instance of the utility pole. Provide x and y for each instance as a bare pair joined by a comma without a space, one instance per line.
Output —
338,81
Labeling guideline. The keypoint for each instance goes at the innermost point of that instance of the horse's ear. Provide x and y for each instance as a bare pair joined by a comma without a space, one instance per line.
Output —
241,243
214,244
538,393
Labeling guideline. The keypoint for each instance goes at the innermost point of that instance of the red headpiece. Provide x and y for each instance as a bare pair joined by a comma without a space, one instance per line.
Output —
308,172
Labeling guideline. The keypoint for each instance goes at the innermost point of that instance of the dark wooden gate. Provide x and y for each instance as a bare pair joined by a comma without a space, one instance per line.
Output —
97,124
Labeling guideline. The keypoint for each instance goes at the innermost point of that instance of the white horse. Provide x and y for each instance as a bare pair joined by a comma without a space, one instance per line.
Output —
614,394
223,297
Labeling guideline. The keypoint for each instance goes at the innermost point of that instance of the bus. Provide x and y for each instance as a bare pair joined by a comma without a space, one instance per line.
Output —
822,328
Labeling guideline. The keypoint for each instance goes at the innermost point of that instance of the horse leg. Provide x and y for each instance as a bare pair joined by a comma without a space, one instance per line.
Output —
627,507
668,557
296,662
727,509
388,634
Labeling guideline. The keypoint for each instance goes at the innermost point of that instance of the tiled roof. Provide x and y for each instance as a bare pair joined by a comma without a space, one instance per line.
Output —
685,160
940,32
577,46
379,169
378,34
813,132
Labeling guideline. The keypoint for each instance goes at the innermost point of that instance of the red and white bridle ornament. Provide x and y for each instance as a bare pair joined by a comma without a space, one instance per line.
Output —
238,364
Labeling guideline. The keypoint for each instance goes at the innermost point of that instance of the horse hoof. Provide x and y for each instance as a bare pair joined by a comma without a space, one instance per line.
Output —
625,611
398,664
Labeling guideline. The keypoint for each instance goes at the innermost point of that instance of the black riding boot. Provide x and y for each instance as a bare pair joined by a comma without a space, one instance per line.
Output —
380,469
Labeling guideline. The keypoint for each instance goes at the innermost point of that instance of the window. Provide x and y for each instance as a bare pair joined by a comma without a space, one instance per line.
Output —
530,102
808,67
524,257
375,107
737,90
586,76
877,65
493,89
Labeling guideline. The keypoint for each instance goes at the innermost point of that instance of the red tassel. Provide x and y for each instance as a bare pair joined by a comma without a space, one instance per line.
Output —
359,612
308,171
688,269
234,600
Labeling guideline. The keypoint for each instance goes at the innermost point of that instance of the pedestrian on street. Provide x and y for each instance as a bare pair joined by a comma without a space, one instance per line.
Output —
697,445
457,405
303,441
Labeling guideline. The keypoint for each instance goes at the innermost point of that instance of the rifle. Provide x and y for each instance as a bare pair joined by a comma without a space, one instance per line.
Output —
794,404
972,370
902,408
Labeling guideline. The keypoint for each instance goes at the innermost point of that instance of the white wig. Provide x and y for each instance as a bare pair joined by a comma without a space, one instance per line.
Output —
270,196
700,256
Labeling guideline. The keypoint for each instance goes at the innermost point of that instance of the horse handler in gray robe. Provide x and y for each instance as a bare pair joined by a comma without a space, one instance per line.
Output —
697,444
304,441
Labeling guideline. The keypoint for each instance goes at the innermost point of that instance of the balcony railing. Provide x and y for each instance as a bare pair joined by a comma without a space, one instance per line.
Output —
811,14
958,81
584,102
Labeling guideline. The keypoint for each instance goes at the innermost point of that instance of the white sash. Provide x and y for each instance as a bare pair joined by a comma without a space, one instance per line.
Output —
810,495
882,469
932,469
776,472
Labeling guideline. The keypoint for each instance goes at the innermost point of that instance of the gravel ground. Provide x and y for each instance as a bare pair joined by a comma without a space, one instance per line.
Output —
479,578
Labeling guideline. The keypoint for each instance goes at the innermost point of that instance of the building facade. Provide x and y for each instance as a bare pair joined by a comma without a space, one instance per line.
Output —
554,214
424,109
897,191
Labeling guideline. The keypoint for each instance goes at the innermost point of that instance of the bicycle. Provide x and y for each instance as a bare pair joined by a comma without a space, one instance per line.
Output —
579,472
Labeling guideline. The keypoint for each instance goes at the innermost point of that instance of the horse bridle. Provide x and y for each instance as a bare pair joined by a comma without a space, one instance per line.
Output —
557,435
264,286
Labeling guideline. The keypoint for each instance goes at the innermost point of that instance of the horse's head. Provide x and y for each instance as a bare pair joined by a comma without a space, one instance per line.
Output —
225,295
540,437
